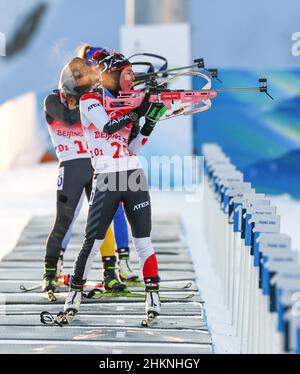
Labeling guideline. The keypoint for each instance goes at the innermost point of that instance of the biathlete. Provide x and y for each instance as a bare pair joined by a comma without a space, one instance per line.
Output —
115,162
74,180
119,223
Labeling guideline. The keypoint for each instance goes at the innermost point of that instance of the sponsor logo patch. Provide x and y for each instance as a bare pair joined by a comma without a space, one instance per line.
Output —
119,119
93,106
141,205
60,179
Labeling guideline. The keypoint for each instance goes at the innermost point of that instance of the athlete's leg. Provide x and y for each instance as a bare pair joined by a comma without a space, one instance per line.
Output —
68,234
110,278
69,194
108,247
108,256
120,228
137,206
102,207
121,235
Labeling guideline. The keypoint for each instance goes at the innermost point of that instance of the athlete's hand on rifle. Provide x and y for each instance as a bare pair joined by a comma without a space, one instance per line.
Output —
144,107
155,113
150,110
152,117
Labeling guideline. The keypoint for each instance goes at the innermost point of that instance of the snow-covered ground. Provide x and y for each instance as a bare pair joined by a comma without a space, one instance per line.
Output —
31,191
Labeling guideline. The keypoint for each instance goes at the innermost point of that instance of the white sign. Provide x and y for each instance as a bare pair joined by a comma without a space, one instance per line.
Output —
172,41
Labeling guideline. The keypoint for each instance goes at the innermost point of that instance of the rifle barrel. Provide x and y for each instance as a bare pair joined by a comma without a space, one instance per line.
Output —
238,89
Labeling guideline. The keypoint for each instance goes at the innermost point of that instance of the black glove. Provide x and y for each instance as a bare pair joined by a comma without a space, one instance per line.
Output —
144,108
152,117
148,127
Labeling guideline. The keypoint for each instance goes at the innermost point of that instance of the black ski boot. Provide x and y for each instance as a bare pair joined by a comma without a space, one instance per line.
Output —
50,282
111,280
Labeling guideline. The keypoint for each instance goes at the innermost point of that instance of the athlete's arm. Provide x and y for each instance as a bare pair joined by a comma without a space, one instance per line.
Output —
139,140
91,109
135,130
54,109
137,143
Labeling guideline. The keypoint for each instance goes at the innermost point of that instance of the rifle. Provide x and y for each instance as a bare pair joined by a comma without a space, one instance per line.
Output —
155,89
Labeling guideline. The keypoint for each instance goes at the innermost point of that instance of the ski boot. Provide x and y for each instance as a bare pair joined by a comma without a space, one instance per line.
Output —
72,303
152,302
110,278
50,283
125,272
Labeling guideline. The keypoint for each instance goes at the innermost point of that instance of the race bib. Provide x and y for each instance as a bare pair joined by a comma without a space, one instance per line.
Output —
60,179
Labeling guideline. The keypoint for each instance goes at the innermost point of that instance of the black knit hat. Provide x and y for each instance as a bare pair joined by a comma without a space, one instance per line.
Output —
111,62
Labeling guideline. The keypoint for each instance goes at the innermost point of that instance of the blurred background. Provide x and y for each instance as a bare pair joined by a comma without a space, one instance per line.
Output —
244,40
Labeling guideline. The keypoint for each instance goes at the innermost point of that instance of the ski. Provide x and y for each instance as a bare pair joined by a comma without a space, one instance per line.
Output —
151,319
23,288
62,280
184,286
98,294
62,318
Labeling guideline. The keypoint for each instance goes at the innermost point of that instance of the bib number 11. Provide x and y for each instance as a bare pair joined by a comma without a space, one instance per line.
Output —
81,148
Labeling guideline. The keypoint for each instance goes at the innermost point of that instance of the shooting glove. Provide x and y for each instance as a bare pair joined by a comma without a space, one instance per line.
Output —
155,113
152,117
144,108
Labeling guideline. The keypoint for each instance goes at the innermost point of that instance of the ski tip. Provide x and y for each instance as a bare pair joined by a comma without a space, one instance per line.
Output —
92,293
62,318
152,318
47,318
188,285
144,323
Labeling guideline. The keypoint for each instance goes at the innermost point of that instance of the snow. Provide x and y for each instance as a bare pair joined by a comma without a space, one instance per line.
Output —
31,191
24,192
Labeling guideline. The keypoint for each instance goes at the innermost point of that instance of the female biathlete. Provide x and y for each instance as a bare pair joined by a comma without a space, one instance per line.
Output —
126,274
119,176
75,178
